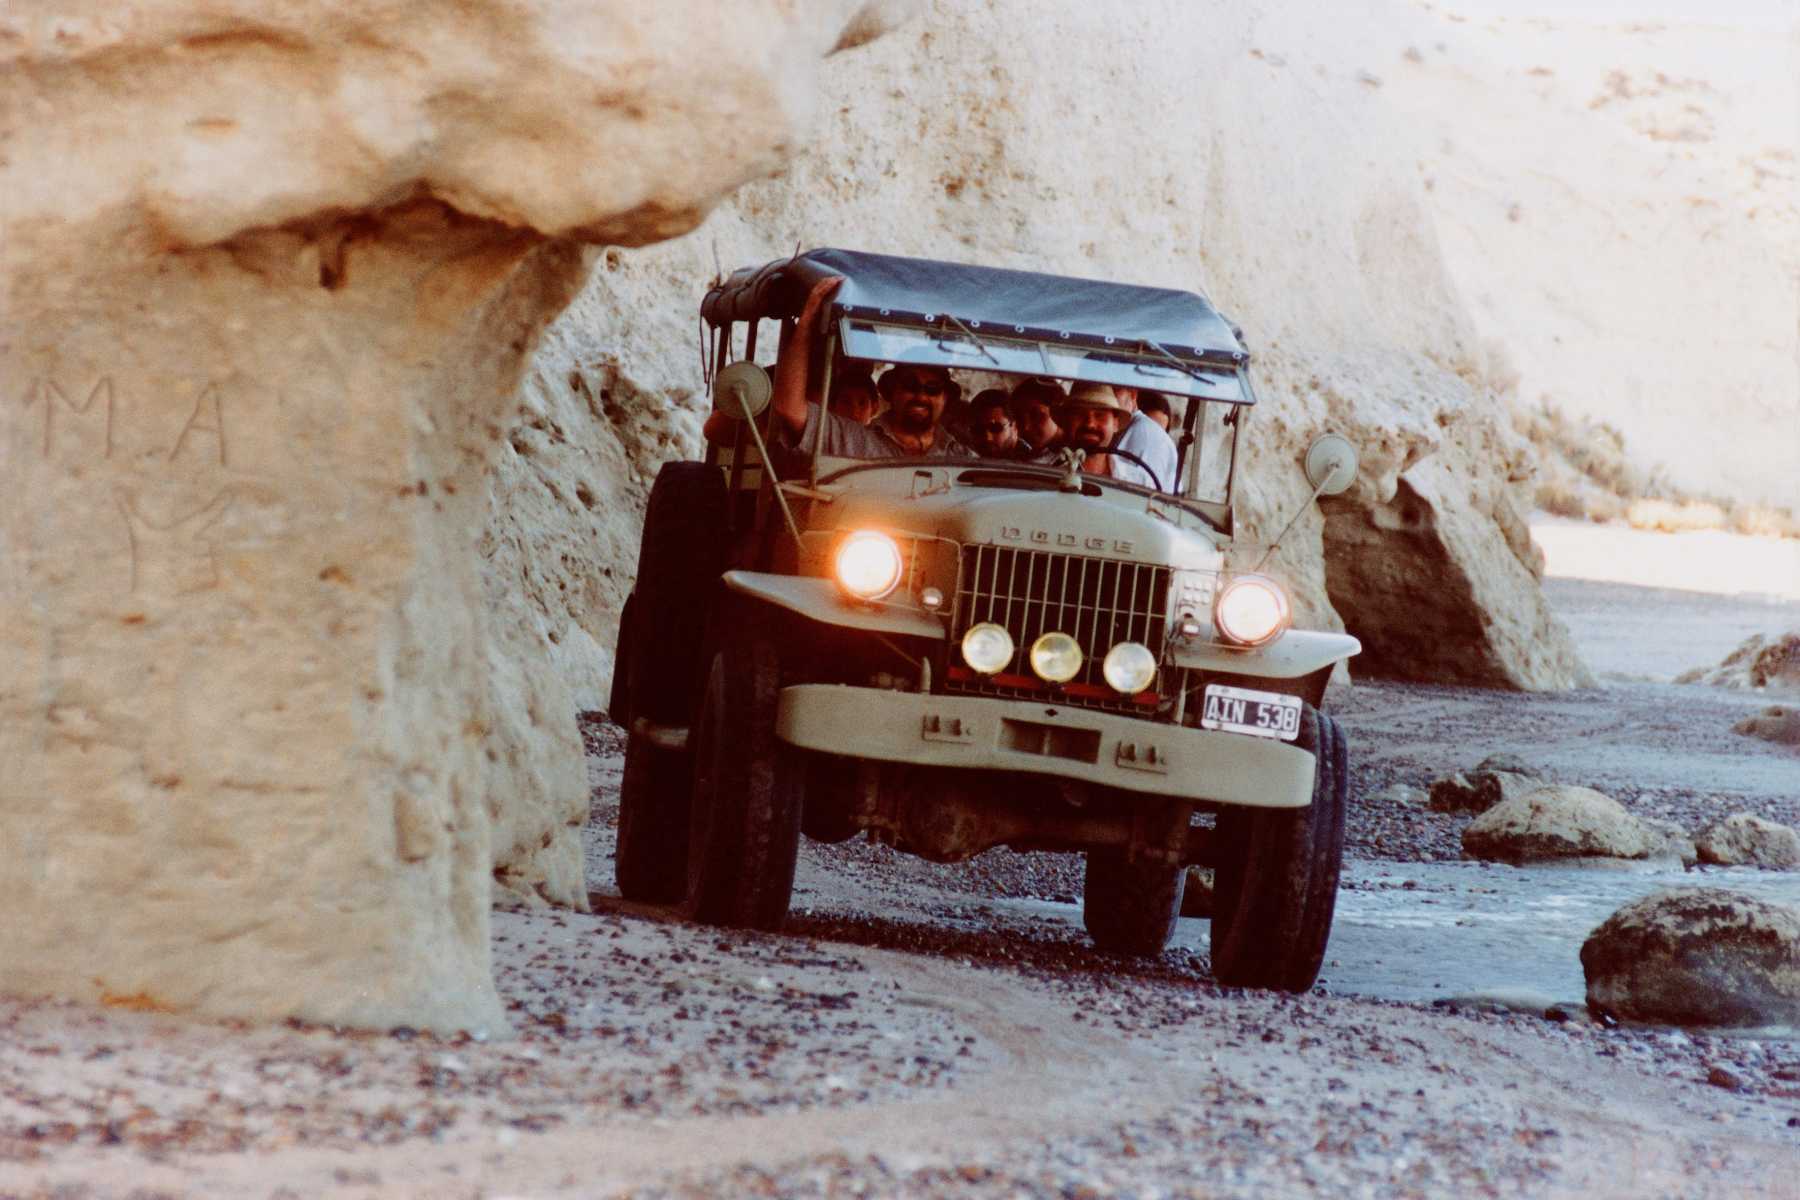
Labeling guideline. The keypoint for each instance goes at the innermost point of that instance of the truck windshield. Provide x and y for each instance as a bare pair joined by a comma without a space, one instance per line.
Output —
928,412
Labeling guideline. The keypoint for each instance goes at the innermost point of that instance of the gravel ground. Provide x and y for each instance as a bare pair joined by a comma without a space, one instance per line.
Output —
895,1040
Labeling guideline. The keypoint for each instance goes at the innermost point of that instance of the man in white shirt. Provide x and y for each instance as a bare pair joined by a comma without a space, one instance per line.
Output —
1146,439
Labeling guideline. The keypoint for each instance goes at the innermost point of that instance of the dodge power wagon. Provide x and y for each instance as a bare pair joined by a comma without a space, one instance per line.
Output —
842,629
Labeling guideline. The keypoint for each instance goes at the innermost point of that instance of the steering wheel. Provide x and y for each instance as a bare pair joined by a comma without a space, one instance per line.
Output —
1148,469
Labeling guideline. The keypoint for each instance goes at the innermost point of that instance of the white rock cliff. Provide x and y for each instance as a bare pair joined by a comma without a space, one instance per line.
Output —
271,275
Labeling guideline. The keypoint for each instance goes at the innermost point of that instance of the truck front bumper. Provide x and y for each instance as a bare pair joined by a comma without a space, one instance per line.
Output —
985,734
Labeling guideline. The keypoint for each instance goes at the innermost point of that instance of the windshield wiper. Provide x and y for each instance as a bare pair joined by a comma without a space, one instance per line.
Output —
979,344
1184,368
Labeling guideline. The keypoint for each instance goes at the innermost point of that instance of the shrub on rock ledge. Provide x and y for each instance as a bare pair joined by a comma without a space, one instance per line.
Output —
1696,956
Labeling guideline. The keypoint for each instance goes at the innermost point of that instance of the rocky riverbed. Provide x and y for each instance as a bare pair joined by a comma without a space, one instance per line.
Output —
896,1040
922,1029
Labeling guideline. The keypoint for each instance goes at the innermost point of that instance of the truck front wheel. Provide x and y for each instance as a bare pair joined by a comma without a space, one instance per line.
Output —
1130,907
748,792
1277,875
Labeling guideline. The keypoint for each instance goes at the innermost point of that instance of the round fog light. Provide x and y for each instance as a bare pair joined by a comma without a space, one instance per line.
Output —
1129,668
987,648
1056,657
932,598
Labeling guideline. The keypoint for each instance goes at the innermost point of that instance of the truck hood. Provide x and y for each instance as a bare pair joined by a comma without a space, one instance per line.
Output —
930,502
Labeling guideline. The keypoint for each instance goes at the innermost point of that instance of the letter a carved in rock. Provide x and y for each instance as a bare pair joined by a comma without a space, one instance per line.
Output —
196,422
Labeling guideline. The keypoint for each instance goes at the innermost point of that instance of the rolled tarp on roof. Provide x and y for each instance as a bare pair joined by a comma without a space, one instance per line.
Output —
1003,302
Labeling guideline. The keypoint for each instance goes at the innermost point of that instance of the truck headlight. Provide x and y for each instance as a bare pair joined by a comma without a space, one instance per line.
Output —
1129,667
1251,610
1056,657
987,648
868,564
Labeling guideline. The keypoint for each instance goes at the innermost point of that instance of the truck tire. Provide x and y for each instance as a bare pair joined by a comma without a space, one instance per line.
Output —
655,666
650,855
748,792
680,559
1130,908
1278,875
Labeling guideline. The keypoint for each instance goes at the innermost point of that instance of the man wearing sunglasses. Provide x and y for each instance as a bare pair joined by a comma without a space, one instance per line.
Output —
991,426
910,426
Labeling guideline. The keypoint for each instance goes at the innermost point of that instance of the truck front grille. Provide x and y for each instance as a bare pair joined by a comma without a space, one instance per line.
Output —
1099,602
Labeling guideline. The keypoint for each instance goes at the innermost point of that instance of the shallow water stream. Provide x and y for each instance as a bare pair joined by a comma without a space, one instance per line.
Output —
1420,932
1429,931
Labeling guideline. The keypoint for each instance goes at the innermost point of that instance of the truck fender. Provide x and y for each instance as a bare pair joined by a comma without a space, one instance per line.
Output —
820,600
1295,653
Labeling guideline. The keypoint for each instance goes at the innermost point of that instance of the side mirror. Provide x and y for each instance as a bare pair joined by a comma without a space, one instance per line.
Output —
741,390
1331,463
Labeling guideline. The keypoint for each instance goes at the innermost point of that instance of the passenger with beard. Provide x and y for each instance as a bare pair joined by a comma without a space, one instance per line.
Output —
1034,405
916,396
1091,418
910,426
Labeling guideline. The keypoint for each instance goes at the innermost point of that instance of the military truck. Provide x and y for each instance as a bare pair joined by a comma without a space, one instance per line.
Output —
947,655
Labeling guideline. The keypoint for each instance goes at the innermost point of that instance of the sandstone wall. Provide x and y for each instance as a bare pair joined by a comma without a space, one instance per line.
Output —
271,275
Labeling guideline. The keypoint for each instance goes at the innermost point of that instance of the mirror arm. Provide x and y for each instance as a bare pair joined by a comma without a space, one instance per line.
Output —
1276,544
743,397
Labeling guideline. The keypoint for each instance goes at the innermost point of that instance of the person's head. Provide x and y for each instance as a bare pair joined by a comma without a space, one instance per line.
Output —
1127,398
1156,406
991,425
1091,417
916,395
1034,405
853,396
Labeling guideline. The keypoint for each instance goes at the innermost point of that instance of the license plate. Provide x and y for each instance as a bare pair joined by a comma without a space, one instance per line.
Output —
1260,714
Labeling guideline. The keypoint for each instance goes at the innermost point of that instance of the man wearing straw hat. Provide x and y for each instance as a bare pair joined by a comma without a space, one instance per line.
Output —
1091,418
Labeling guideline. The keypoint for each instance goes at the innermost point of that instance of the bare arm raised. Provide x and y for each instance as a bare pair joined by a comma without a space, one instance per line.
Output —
795,379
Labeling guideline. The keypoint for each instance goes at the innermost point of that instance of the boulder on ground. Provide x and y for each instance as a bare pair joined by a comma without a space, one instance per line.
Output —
1697,956
1747,840
1197,899
1399,795
1556,822
1775,723
1668,839
1511,764
1760,662
1496,779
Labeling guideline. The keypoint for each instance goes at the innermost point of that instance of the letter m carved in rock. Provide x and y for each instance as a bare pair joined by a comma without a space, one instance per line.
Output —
51,394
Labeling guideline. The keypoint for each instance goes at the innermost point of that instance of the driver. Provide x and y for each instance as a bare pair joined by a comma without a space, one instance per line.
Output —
1091,418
